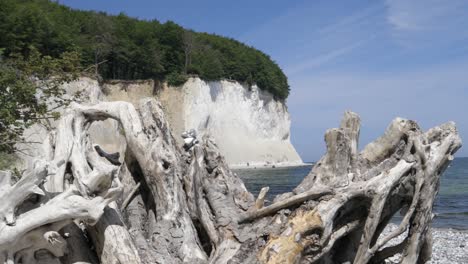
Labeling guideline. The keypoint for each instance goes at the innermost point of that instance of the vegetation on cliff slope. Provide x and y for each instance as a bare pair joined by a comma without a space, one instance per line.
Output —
127,48
31,91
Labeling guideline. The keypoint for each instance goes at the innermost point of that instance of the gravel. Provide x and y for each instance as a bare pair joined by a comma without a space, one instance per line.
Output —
450,246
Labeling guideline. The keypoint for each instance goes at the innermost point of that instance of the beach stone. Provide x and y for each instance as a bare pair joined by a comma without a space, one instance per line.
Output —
448,245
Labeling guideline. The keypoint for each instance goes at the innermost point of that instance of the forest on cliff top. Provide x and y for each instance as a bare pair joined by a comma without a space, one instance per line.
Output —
127,48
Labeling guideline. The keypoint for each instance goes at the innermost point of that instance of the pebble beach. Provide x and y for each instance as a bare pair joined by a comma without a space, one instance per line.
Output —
450,246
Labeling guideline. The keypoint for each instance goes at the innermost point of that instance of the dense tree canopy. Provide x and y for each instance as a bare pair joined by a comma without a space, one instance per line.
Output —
127,48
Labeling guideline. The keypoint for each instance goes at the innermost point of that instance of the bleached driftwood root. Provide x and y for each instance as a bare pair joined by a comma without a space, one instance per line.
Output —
184,205
74,185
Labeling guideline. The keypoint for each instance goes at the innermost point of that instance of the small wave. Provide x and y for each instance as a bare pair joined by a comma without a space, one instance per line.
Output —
449,214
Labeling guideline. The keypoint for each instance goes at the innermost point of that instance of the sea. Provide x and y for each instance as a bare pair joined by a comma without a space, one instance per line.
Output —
451,205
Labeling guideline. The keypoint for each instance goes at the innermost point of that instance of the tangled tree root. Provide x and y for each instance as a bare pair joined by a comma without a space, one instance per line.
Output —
186,206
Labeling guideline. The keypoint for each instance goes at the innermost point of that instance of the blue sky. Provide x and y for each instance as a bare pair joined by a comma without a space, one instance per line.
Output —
381,59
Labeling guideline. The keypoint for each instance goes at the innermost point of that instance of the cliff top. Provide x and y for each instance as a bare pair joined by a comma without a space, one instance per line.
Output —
127,48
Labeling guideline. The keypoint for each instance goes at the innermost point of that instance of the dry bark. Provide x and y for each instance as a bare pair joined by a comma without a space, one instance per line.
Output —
184,205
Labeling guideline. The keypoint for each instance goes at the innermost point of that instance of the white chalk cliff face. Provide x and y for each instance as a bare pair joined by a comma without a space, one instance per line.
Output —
249,126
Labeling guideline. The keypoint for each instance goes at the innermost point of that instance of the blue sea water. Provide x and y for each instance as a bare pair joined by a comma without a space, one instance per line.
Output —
451,206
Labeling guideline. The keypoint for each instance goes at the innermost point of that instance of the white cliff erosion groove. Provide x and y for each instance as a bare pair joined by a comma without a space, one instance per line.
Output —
246,122
160,203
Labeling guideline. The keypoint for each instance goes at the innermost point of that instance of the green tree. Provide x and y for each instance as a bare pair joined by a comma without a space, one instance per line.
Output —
31,91
102,40
208,63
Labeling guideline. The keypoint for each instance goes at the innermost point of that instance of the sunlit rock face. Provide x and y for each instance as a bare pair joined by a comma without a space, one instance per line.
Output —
249,126
91,93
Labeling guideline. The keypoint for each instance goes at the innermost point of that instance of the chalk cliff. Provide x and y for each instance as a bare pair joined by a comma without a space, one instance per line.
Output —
250,127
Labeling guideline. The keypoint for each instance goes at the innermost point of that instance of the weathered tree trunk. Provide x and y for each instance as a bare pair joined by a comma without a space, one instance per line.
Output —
184,205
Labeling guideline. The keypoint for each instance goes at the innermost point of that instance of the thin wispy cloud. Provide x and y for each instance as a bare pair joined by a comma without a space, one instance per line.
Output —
325,58
356,18
316,38
296,14
415,23
417,15
337,38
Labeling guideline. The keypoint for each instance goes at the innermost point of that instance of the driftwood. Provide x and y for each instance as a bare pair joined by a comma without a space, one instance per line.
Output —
162,203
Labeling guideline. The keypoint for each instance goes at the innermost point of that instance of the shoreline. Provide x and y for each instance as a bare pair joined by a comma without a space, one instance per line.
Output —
262,165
